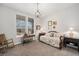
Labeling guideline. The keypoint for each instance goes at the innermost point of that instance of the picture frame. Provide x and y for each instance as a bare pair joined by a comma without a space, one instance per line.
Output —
54,22
38,27
49,23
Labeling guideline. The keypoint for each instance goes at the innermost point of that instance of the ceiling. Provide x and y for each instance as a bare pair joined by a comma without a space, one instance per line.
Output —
46,9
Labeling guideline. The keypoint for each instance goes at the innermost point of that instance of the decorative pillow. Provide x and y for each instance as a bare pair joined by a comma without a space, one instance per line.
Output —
52,34
47,34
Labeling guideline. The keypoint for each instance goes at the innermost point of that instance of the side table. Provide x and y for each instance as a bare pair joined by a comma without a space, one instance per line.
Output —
75,41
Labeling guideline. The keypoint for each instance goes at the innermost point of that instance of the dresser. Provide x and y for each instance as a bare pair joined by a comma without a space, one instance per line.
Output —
68,40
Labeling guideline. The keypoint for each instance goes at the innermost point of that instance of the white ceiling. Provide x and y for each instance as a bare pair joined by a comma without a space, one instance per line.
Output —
46,9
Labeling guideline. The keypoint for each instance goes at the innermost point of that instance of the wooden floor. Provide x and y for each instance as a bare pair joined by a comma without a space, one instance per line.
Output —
36,48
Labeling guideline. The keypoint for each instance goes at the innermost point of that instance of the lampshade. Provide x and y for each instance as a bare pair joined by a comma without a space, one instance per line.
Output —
54,22
71,28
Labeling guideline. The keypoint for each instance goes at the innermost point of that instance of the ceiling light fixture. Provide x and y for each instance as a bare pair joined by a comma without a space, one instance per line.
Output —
37,13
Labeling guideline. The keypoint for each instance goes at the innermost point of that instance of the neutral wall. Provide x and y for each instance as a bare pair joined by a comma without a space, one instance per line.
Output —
66,18
8,22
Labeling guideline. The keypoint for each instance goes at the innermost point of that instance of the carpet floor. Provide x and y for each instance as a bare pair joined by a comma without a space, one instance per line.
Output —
36,48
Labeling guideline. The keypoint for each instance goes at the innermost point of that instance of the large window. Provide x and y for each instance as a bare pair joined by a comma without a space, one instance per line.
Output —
20,24
30,26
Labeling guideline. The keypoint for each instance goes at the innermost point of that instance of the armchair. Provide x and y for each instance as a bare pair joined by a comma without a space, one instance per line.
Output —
4,43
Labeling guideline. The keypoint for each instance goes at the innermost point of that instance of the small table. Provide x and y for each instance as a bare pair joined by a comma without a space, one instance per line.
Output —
68,40
28,38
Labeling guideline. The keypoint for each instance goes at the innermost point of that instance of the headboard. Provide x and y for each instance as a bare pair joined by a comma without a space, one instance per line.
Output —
53,32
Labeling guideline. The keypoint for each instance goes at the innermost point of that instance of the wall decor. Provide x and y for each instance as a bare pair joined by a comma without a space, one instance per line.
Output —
38,27
54,27
54,22
49,23
71,34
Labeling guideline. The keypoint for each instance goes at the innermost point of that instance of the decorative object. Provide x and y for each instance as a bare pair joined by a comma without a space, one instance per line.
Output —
37,13
54,22
49,23
38,27
54,27
71,34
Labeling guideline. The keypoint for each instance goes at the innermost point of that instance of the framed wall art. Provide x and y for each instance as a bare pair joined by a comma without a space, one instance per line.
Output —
49,23
54,22
38,27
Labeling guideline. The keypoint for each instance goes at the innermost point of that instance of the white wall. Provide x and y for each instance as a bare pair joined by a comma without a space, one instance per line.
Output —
8,22
66,18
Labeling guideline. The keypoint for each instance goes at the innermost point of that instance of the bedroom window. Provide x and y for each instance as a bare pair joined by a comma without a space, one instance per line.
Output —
30,25
20,24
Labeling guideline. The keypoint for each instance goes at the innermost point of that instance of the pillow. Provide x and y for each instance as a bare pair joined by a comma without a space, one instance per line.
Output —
52,34
47,34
